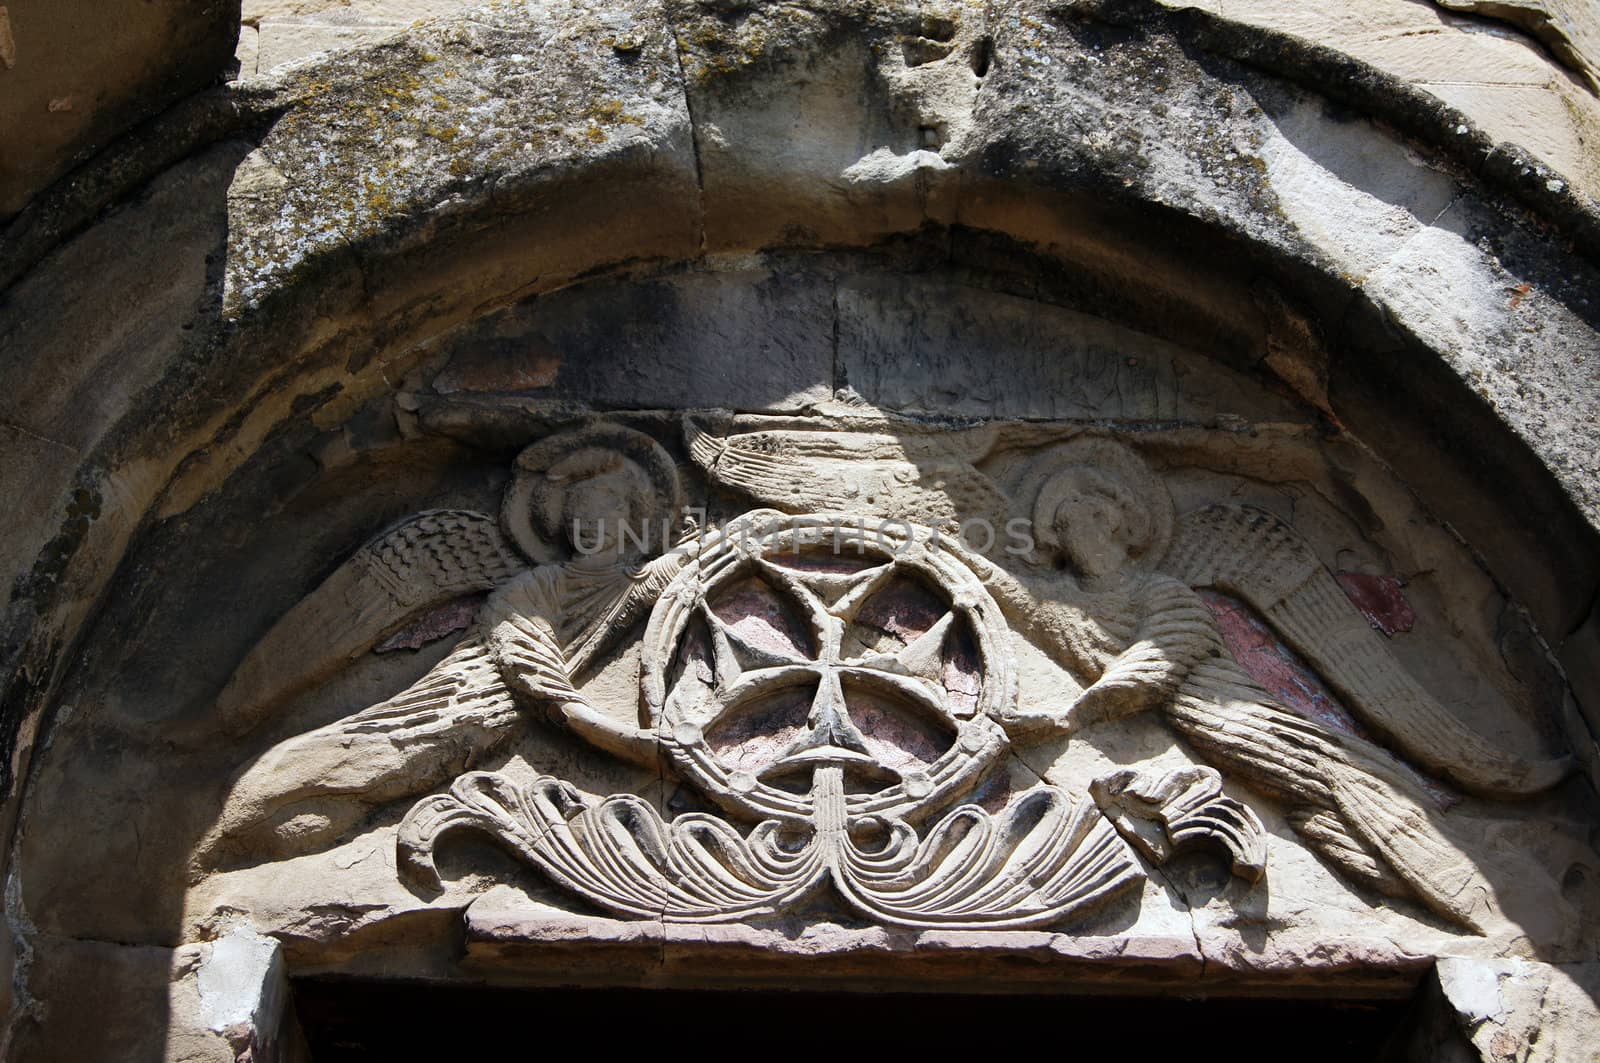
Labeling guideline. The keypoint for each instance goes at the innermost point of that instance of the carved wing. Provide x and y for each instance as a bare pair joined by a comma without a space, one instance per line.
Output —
1353,803
305,791
928,478
1256,557
424,562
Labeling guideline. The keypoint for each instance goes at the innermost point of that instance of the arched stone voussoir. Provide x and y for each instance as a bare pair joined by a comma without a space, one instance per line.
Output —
474,129
1173,166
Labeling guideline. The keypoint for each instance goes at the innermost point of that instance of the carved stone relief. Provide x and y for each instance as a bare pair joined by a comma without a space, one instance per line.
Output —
1157,528
833,679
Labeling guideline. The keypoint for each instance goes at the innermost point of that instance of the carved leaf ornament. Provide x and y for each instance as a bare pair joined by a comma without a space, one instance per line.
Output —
837,684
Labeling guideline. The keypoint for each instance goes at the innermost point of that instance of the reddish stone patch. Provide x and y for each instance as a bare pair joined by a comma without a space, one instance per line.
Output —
962,680
1380,600
1279,670
757,615
755,736
435,624
1290,680
904,608
895,737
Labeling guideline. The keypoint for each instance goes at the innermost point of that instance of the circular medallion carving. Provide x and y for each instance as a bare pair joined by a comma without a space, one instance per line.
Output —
791,644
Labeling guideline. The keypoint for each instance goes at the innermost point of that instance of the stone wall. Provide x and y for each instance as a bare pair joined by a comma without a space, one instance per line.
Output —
303,382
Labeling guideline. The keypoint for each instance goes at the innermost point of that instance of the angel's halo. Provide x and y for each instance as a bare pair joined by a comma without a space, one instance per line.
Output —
535,502
1109,458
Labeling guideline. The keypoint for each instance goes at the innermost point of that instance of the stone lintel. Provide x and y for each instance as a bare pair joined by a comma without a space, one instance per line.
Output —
549,948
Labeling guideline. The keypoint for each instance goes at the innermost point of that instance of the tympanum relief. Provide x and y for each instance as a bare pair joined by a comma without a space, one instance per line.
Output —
833,681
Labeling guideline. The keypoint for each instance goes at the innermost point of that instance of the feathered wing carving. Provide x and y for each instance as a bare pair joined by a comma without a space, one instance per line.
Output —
927,477
307,790
1352,802
1256,557
423,562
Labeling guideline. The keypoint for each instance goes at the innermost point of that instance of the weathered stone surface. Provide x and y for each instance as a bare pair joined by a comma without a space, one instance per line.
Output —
74,377
245,997
278,32
1569,29
280,41
459,289
1511,1009
501,938
908,346
98,1000
1502,81
402,12
75,75
450,139
641,343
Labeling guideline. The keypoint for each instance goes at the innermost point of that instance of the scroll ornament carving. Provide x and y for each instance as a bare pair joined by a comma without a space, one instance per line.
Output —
1045,858
713,688
1110,593
839,690
1164,814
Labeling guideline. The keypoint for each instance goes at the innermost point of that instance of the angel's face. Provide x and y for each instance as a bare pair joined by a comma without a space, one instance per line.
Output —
1091,523
596,511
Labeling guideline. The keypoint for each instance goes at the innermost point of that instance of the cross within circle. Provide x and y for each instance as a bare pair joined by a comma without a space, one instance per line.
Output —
797,643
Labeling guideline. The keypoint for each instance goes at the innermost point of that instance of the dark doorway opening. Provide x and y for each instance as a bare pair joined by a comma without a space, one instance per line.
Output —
347,1020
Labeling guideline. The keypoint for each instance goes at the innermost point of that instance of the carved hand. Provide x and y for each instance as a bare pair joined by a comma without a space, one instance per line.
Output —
1111,698
1106,700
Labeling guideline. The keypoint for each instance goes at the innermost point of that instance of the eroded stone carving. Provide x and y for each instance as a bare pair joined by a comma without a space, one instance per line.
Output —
768,693
1044,858
1163,814
1108,591
838,687
537,628
718,688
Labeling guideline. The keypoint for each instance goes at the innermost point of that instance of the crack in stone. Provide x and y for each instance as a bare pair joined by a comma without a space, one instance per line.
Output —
694,125
30,434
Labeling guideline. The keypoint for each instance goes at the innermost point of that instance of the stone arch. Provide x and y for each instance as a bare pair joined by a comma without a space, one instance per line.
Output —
391,271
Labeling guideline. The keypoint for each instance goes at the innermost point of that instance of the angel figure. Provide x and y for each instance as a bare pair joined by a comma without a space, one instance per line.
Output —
1112,598
584,507
1110,594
